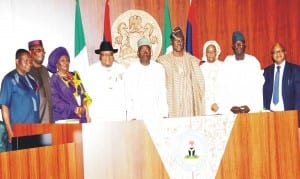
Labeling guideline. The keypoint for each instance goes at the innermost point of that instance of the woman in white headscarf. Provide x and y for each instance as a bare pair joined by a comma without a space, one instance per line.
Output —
210,69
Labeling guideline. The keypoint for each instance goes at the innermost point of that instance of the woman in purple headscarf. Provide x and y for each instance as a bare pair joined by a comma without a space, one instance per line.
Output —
69,99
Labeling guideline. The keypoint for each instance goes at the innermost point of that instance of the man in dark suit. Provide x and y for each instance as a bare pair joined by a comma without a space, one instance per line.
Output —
281,90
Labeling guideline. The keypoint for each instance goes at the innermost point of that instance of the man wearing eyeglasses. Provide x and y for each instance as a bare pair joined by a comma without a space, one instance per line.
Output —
281,90
240,80
41,75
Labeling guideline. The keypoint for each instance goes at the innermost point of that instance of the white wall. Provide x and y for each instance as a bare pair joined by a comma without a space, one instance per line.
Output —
24,20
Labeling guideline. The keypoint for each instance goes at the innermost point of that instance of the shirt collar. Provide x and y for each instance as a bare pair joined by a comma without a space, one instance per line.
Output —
282,65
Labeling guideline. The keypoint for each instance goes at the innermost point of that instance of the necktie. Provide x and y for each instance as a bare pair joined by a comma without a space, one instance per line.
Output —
276,87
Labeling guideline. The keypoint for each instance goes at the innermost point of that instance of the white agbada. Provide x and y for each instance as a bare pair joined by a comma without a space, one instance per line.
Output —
240,84
146,91
107,90
210,72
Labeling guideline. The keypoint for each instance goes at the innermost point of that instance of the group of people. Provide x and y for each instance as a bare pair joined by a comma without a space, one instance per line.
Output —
239,85
174,85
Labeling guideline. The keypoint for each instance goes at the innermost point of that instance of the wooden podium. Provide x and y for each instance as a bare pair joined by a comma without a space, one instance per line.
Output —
64,159
261,145
108,150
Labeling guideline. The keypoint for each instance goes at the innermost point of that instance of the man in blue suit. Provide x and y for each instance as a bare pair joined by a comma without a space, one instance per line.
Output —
281,89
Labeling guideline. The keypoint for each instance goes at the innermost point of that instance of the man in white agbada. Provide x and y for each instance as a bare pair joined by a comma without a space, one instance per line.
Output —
210,69
106,86
241,81
145,86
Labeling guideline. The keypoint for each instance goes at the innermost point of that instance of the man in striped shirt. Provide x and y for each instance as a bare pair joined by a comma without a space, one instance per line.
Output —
184,79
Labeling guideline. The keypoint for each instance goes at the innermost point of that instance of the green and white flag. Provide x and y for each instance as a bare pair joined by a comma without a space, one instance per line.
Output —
167,29
79,33
81,62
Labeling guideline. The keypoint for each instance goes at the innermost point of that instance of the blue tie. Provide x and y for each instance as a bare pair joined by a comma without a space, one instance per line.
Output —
276,87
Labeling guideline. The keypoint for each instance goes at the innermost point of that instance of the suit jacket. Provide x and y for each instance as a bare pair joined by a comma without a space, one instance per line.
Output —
290,86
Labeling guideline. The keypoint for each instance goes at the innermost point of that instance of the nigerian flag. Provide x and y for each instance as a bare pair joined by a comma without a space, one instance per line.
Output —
80,52
167,29
79,33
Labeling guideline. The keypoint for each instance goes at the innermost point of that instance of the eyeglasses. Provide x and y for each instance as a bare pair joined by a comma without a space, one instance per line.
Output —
277,51
38,50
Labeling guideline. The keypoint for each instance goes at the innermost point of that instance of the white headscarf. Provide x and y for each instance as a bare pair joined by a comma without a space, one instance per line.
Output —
208,43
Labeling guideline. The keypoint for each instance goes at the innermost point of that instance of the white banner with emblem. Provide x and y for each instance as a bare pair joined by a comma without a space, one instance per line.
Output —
191,147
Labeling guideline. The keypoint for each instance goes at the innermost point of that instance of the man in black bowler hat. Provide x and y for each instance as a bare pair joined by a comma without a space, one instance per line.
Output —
106,86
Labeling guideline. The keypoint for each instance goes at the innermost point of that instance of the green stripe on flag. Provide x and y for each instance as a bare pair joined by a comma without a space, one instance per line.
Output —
79,33
167,27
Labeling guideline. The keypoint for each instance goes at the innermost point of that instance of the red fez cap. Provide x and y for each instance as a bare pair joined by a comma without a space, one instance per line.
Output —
34,43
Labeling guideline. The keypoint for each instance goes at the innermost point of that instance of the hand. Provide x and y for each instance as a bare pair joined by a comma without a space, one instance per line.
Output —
79,111
244,109
88,119
235,109
87,115
10,135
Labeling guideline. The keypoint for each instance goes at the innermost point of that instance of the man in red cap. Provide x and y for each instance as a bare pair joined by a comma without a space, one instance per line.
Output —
41,75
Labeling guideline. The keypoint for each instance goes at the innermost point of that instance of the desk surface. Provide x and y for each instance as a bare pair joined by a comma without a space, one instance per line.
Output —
261,145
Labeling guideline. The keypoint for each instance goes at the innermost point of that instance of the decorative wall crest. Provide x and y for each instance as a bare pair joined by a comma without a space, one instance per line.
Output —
128,28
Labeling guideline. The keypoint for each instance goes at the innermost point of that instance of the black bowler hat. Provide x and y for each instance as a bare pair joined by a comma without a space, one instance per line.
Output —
105,46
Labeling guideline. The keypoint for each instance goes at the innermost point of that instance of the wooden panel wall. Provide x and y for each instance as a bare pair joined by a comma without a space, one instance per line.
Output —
262,22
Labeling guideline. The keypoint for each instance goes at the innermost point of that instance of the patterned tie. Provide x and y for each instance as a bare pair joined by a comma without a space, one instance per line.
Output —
276,87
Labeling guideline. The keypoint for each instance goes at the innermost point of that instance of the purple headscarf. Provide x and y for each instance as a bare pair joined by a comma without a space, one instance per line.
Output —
54,57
